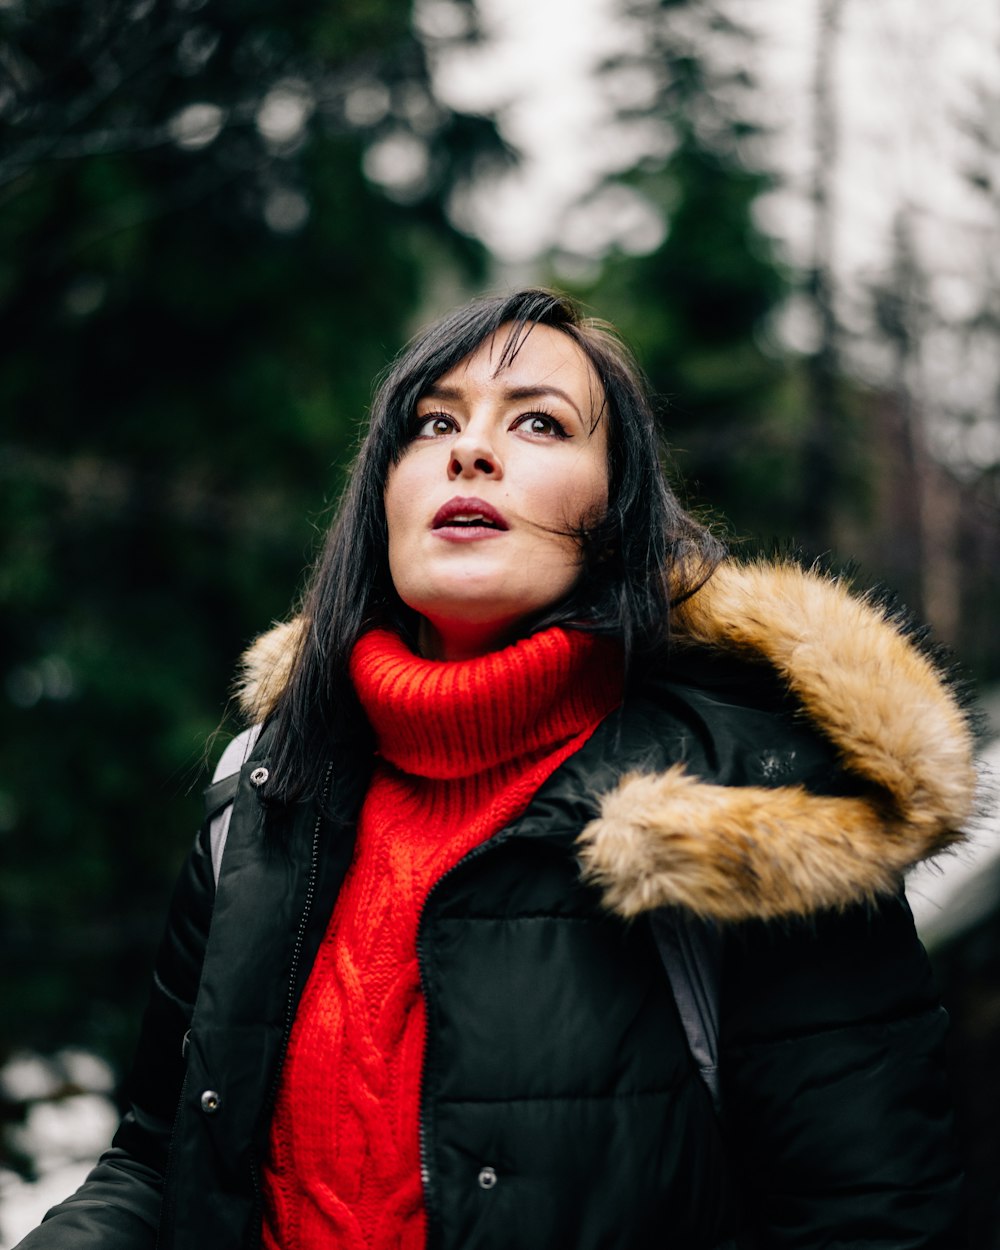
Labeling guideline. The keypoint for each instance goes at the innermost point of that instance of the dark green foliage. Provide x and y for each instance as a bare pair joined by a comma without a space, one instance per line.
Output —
699,307
190,334
696,310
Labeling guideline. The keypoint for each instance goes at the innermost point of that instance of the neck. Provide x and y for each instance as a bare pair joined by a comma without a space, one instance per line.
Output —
460,640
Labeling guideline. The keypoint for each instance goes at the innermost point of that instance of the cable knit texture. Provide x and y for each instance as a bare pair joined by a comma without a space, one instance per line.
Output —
462,747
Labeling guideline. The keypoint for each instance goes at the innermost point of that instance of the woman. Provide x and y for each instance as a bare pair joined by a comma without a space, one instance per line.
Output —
390,1010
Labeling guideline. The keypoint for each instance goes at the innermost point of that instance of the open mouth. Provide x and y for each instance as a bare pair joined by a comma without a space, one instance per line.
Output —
468,514
460,522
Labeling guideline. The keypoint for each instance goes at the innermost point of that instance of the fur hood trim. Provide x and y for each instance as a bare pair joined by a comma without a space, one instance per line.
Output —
738,853
732,854
265,668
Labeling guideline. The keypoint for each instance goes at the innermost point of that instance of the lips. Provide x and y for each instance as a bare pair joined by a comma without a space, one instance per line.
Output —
463,513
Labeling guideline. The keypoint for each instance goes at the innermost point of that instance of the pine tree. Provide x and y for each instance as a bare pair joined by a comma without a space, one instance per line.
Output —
217,222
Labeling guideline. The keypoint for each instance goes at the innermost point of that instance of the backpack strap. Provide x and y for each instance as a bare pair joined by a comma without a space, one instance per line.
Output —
691,951
220,794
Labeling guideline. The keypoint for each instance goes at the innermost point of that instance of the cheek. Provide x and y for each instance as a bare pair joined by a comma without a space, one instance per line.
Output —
399,532
599,489
395,500
581,493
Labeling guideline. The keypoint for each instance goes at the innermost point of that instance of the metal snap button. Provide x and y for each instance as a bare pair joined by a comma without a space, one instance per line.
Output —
259,776
210,1102
487,1178
772,765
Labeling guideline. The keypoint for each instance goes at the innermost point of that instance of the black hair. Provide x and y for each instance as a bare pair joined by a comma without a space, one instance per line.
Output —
643,554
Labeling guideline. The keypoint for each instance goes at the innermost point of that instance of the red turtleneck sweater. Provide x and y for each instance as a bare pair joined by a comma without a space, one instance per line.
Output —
462,746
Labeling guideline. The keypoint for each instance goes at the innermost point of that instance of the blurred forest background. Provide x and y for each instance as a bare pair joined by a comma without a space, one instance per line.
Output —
219,219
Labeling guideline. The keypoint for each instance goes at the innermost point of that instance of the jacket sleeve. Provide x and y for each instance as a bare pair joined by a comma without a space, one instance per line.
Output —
118,1205
834,1086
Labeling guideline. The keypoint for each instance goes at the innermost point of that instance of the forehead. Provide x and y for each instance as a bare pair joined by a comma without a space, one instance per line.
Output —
530,355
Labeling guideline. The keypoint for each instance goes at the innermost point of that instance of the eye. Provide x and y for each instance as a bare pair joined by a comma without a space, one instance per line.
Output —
543,423
432,425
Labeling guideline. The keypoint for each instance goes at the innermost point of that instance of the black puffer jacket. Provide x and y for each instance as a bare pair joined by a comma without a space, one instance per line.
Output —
560,1107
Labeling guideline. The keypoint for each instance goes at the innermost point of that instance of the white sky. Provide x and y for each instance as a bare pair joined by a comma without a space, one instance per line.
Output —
906,77
905,71
538,66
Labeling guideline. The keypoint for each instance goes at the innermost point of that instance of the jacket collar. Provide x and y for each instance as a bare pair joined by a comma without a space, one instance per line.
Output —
665,836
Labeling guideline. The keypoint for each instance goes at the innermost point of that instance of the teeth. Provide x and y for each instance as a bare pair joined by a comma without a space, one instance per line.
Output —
466,518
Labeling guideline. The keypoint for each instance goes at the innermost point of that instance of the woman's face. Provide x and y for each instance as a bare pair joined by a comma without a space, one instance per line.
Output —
498,460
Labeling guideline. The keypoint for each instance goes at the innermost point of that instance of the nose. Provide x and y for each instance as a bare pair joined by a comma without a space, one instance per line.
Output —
473,453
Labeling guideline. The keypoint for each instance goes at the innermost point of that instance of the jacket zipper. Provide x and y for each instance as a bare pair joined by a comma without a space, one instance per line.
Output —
300,937
169,1211
425,1170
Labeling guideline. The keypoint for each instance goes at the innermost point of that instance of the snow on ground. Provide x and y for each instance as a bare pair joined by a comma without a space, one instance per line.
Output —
954,892
69,1120
22,1203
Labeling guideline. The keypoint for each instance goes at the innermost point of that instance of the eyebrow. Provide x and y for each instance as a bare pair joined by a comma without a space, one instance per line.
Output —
436,391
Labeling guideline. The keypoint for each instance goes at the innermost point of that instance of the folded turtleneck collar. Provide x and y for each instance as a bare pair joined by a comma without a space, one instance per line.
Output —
449,719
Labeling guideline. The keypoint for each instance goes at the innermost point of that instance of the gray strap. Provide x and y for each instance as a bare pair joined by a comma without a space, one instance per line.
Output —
233,758
218,832
236,753
691,953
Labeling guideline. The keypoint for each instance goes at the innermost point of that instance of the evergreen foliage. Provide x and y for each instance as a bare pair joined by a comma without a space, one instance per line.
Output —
698,307
198,284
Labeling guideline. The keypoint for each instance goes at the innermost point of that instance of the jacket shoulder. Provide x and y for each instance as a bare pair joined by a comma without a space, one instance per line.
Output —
749,727
832,756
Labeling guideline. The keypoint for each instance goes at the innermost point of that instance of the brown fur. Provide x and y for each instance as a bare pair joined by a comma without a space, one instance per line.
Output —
266,667
739,853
